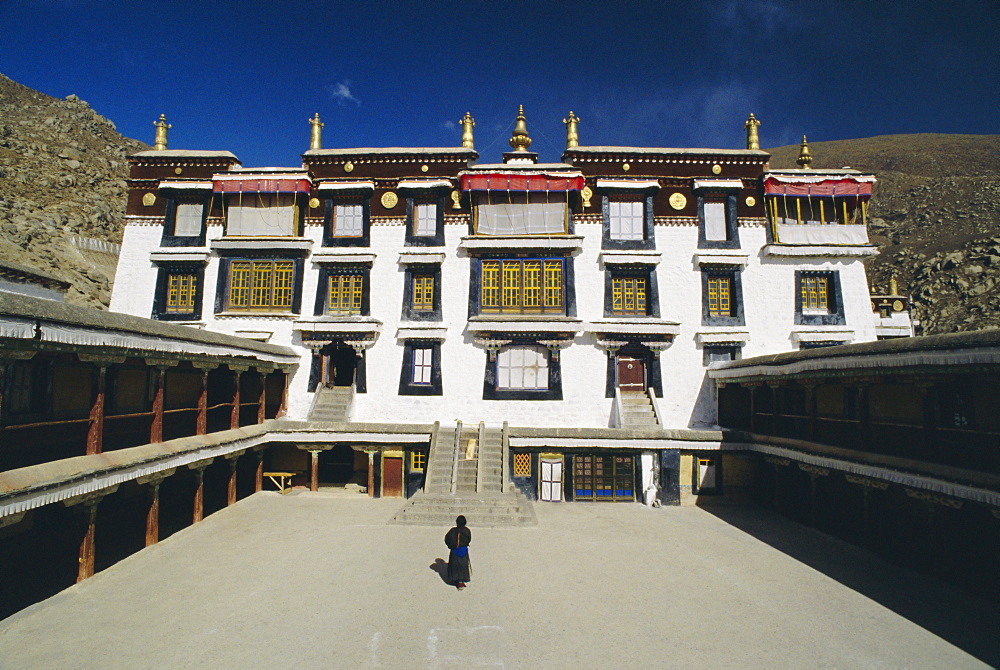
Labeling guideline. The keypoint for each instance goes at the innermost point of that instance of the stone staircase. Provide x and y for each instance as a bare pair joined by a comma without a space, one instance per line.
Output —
457,485
332,404
637,410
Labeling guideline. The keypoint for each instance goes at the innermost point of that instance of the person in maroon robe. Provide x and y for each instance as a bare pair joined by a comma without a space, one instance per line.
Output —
459,566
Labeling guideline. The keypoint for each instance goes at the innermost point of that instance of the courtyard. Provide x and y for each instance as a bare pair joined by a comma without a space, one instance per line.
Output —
321,580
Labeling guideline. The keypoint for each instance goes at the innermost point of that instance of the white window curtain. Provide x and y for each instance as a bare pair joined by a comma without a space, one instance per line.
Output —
187,219
348,221
522,218
715,221
422,364
264,214
626,220
523,368
425,217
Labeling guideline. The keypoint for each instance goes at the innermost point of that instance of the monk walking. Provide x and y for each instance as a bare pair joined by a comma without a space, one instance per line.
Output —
457,540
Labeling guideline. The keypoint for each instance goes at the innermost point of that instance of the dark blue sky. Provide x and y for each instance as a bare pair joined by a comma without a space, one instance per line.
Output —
245,76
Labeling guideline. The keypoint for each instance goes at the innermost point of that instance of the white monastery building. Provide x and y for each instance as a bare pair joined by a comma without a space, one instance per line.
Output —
580,303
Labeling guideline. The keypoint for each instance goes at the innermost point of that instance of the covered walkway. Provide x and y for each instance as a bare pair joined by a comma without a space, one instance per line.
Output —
321,580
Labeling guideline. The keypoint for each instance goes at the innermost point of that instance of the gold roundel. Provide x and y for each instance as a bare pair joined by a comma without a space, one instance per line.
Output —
678,201
716,169
389,199
348,166
424,168
897,305
626,167
313,203
751,201
178,170
149,200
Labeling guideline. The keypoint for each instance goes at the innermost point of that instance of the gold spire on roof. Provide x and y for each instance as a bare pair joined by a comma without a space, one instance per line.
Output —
893,286
805,158
753,140
160,143
468,123
572,137
316,134
519,140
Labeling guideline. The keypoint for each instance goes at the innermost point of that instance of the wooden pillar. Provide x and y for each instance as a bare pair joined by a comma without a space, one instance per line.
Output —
153,515
156,427
95,430
199,494
87,548
234,415
283,408
371,474
258,483
201,424
261,400
231,485
313,470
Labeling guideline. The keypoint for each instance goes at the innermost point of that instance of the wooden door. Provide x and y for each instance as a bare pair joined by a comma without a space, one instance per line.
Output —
631,374
392,477
551,481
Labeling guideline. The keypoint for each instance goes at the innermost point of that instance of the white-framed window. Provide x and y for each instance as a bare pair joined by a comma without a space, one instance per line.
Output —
626,219
523,368
261,214
348,221
425,220
187,219
423,363
715,220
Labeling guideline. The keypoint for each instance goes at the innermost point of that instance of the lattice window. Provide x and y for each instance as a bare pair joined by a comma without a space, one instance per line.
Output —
626,221
423,364
181,289
628,296
523,368
522,464
348,221
418,460
261,285
345,294
815,294
423,292
720,296
425,220
522,286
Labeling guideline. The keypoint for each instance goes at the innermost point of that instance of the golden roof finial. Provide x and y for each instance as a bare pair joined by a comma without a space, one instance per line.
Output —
753,140
572,137
519,140
468,123
160,143
805,158
893,286
316,135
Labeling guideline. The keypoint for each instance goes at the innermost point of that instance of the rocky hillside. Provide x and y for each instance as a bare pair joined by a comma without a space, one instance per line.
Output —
935,215
62,189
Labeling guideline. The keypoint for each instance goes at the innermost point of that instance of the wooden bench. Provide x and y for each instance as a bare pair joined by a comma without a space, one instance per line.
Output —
282,480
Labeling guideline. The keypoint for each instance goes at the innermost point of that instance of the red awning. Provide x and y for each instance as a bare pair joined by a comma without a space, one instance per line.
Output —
261,186
499,181
824,188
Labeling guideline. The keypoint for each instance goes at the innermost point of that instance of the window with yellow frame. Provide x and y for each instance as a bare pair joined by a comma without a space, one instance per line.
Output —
522,286
345,293
423,292
418,460
181,290
261,285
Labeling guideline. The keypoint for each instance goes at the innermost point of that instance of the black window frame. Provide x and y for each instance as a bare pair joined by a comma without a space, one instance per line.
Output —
163,273
409,313
413,240
492,392
835,300
222,283
168,239
732,227
476,283
734,348
406,384
649,234
327,270
331,240
647,272
734,273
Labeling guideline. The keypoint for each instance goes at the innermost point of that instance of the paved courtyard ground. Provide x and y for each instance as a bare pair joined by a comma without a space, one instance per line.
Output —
319,580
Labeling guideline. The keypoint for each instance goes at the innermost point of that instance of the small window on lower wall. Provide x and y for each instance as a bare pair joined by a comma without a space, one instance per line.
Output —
418,461
522,464
630,291
722,303
818,301
708,476
421,371
178,294
523,372
714,353
422,293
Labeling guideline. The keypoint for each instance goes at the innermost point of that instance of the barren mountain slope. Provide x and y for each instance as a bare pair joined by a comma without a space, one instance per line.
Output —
62,178
936,217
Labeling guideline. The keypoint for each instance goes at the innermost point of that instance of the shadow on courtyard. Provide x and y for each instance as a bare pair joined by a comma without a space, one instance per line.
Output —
963,619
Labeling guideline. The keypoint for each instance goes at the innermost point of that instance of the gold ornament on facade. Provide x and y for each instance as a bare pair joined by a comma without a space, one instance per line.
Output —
805,158
678,201
389,199
572,136
467,125
519,140
587,193
456,200
316,133
178,170
348,166
626,167
716,169
753,139
313,203
149,200
160,143
897,305
751,201
424,168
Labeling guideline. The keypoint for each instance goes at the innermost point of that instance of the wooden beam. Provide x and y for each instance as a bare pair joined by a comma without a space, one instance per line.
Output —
156,426
95,430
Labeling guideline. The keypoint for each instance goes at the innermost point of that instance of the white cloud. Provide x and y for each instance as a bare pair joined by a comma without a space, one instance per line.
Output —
341,92
449,125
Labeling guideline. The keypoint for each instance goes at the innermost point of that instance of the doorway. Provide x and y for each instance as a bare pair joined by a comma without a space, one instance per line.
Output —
336,465
631,373
339,365
392,477
551,482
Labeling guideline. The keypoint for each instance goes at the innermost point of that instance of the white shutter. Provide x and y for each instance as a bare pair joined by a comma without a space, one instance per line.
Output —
422,364
715,221
426,220
521,218
187,221
348,221
261,214
626,220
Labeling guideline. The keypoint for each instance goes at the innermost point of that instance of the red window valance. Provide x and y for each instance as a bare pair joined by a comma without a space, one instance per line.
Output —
499,181
261,186
825,188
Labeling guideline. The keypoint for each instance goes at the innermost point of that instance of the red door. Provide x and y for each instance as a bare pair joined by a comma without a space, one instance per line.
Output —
631,374
392,477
